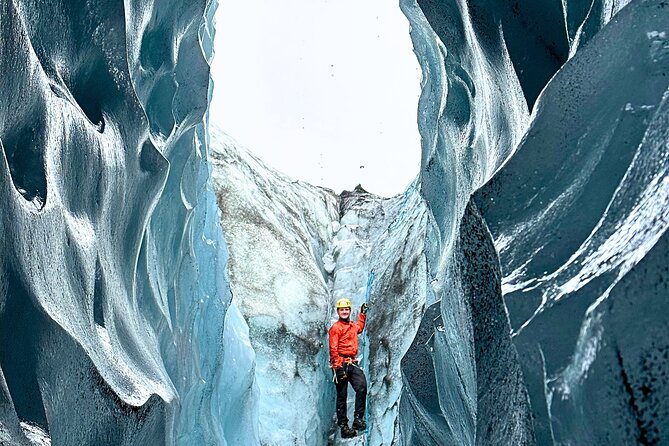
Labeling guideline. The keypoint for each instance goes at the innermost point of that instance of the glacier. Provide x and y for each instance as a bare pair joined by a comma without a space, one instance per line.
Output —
160,285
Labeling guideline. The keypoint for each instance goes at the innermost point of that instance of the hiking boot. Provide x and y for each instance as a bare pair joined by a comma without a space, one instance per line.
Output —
347,432
359,424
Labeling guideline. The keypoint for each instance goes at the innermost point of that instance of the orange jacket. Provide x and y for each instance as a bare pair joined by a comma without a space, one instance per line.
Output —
344,340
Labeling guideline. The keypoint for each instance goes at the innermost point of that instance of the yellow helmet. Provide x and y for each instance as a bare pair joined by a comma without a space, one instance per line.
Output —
344,302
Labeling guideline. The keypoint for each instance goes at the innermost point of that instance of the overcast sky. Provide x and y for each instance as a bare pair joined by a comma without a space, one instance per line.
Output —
323,90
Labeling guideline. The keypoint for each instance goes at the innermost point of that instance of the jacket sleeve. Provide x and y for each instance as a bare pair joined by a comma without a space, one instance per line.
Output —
361,322
335,359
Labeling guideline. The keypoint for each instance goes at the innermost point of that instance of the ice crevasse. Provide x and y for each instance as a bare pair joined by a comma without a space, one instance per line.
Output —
160,285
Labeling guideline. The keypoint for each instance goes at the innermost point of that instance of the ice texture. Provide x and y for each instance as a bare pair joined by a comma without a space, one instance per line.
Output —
537,37
472,113
583,200
379,253
278,230
441,33
112,264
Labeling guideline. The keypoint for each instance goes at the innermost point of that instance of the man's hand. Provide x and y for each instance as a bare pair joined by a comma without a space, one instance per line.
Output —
340,374
363,309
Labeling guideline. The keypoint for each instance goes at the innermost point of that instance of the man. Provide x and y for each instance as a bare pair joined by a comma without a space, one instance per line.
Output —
343,350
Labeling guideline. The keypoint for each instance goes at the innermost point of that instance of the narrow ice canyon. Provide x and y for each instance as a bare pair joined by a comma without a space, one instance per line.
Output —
160,284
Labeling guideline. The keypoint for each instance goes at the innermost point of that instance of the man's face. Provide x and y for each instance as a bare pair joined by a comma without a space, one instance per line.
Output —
344,312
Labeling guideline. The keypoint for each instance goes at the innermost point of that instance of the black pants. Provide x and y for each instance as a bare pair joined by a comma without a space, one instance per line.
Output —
356,377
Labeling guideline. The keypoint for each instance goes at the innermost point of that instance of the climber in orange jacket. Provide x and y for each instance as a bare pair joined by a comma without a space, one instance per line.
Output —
343,350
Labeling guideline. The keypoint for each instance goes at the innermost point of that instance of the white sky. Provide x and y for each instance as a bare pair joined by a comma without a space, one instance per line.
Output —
319,88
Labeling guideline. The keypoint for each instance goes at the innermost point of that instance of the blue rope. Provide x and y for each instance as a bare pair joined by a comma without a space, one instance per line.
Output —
364,342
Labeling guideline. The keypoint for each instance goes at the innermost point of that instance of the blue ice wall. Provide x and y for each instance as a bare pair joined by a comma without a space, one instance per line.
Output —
112,261
575,206
579,205
472,112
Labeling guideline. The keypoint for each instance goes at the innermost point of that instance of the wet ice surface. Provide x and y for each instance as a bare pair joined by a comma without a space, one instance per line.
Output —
112,261
583,200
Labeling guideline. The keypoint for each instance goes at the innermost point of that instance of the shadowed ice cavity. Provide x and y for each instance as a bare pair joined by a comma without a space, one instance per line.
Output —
582,201
112,261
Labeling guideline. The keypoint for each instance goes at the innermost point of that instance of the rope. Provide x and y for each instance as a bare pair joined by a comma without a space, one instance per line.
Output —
364,358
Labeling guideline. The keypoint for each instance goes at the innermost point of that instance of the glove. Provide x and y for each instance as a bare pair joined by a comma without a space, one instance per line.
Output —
340,374
363,309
